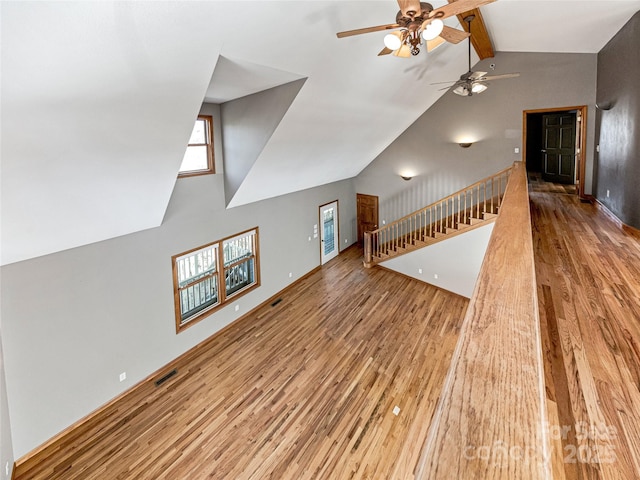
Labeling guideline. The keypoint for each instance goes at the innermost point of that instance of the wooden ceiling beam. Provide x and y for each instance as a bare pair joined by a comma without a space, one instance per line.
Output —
479,35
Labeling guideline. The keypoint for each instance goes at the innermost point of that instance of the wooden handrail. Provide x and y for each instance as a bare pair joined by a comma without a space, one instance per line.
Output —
458,208
455,194
490,422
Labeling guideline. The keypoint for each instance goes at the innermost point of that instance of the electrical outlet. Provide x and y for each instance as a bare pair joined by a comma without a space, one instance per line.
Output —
384,222
607,193
435,275
309,238
123,376
237,307
346,240
420,271
290,274
516,150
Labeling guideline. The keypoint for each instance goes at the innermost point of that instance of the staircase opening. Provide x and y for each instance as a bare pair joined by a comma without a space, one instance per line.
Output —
466,209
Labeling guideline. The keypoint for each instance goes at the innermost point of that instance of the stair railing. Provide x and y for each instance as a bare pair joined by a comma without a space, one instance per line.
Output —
432,221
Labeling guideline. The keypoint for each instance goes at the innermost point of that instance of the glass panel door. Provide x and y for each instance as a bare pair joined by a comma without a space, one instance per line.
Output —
329,240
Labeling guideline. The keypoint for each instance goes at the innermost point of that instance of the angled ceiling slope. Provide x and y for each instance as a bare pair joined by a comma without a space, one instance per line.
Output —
249,119
98,98
98,101
234,78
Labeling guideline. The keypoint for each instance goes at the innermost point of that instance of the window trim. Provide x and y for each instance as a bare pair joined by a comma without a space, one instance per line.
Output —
208,119
220,273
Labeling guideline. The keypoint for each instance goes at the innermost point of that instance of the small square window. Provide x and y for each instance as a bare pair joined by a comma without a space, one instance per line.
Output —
198,158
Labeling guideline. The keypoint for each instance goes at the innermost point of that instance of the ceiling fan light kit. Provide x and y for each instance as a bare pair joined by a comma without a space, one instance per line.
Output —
474,82
418,23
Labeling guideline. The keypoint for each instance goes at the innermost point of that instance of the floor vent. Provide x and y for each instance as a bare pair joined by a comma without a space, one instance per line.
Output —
160,381
276,302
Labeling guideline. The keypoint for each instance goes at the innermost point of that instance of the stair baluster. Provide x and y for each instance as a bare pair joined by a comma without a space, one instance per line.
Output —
471,206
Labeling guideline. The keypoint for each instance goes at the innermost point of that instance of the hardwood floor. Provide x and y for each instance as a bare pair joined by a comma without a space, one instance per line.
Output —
303,389
588,276
537,184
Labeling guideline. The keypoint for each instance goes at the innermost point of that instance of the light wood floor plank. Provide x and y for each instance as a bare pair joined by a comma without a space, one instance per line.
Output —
589,272
304,389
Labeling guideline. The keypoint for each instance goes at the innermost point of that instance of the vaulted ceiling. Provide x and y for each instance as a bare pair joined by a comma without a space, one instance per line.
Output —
98,98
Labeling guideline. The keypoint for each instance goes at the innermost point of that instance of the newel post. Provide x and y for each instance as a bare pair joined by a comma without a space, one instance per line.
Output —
368,248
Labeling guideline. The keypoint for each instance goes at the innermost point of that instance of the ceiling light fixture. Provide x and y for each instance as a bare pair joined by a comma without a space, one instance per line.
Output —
461,90
478,87
417,28
406,177
465,144
433,29
393,40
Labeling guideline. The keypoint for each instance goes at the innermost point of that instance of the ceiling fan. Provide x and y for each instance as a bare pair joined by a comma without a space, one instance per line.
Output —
473,82
417,22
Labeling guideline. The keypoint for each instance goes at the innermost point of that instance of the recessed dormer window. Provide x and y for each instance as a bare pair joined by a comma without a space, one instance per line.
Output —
198,159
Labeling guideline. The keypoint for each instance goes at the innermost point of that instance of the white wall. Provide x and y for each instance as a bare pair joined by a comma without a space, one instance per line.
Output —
73,320
493,120
456,261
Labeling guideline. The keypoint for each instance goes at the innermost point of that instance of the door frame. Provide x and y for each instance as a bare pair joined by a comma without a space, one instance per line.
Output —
581,133
320,226
358,232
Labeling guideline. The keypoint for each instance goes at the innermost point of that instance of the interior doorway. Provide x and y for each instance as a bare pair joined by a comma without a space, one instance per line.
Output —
554,142
329,232
366,214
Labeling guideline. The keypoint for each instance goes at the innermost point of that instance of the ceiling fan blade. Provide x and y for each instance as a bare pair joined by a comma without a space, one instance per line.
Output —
360,31
498,77
453,84
460,6
442,83
453,35
407,6
477,75
385,51
435,43
404,51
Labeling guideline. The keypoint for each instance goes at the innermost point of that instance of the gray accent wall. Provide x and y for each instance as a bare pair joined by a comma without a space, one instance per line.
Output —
74,320
493,120
618,162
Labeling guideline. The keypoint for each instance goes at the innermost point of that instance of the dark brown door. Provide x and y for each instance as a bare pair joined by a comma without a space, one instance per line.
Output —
367,214
559,147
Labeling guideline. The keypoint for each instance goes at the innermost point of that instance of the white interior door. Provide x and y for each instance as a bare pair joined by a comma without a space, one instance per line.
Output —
329,240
